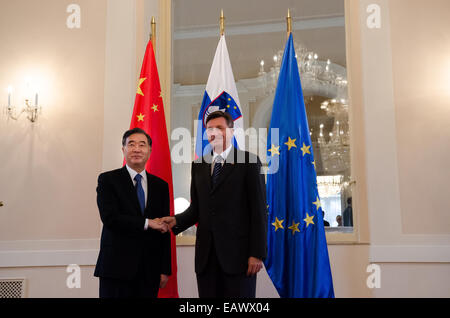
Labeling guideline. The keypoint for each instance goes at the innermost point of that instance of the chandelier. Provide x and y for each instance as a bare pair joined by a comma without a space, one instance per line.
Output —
329,185
335,152
320,77
326,79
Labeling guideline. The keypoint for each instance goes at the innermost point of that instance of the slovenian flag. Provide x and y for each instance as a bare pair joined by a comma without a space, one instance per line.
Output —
220,94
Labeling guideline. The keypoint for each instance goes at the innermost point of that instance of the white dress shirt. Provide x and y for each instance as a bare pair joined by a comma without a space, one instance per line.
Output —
144,186
224,156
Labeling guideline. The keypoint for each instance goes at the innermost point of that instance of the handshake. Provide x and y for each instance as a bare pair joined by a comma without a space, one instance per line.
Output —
162,224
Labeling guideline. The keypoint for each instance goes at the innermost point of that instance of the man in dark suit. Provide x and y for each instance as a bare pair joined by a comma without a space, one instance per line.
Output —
134,258
348,213
228,201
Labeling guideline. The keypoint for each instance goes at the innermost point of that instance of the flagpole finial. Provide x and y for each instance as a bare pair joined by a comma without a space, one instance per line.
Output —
222,23
289,23
153,32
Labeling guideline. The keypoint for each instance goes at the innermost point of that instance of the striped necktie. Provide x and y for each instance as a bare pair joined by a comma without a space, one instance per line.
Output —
217,169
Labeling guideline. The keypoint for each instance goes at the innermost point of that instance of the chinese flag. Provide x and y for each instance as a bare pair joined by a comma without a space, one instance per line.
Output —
148,114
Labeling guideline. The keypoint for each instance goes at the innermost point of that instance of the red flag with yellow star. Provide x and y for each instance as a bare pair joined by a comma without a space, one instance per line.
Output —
148,114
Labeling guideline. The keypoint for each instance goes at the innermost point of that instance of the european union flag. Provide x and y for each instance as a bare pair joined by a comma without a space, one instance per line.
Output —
297,260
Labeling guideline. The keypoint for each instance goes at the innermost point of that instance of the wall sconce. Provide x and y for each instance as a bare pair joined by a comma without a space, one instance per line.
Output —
32,111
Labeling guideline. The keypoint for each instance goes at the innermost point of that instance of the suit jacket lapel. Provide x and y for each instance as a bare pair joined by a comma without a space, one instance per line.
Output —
205,170
150,190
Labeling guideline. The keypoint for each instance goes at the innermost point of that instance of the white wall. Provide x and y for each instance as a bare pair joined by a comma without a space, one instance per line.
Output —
406,125
49,167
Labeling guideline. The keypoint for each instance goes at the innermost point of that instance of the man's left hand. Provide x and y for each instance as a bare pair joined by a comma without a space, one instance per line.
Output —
254,266
163,281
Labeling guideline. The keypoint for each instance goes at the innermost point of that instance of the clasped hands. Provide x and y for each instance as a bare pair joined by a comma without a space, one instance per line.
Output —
162,224
168,222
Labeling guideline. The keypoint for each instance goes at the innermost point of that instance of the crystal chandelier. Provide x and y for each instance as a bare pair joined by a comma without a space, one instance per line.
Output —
320,78
336,152
329,185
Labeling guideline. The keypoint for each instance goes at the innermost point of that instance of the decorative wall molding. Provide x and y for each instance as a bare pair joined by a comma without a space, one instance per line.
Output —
207,31
42,258
410,254
48,252
85,252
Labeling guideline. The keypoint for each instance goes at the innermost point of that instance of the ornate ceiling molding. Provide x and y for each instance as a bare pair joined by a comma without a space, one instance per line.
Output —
206,31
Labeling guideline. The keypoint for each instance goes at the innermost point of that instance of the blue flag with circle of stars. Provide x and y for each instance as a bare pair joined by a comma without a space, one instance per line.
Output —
297,260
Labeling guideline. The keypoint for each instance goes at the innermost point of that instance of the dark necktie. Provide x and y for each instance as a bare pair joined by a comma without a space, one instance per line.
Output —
140,192
217,169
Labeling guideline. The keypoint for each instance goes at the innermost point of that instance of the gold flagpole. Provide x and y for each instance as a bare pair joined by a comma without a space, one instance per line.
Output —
222,23
153,33
289,23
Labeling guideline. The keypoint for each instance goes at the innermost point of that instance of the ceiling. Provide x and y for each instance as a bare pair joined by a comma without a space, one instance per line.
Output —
255,30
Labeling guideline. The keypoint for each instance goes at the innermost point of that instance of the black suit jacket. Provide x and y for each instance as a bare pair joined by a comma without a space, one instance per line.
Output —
125,245
232,215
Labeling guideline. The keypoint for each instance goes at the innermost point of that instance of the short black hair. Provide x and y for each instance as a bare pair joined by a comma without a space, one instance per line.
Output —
221,114
133,131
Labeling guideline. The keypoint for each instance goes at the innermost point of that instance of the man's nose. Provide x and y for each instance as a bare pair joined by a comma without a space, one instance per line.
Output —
215,135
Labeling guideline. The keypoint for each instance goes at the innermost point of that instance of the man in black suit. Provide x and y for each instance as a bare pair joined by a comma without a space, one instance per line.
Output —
134,258
228,201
